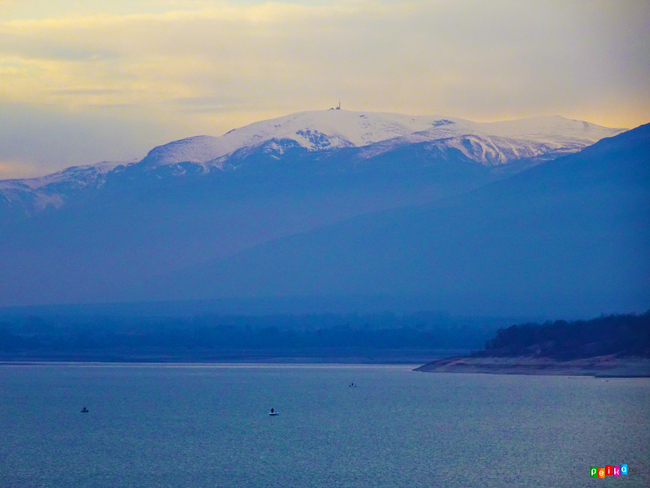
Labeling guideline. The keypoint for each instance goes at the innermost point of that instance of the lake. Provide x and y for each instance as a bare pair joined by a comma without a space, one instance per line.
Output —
182,425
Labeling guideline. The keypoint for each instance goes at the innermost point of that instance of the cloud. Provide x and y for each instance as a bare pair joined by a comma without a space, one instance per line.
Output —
37,140
210,66
18,169
403,53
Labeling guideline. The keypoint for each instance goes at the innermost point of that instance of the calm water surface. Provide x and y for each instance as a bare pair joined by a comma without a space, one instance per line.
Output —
208,426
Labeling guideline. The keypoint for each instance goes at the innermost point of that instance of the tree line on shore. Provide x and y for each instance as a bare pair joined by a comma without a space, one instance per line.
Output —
620,334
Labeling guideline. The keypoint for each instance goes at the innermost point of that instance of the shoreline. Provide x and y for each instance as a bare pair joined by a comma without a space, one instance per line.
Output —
412,357
599,367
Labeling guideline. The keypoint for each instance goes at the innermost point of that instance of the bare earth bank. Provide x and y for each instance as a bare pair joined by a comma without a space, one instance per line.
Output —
600,366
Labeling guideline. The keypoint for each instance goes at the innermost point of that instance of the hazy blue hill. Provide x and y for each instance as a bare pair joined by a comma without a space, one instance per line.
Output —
111,336
569,236
142,222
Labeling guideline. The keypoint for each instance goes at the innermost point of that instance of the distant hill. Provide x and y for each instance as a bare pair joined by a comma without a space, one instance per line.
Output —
212,337
566,237
103,233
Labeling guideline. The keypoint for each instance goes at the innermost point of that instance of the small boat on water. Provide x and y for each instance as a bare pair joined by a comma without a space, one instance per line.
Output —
273,413
84,410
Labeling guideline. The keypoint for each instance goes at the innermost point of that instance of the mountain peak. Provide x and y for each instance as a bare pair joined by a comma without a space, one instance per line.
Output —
374,133
331,129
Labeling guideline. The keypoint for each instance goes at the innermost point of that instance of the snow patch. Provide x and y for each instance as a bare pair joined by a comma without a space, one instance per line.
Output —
493,143
331,129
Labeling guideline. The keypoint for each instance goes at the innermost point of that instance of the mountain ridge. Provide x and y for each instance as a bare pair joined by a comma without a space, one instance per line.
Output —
575,225
330,129
491,144
126,226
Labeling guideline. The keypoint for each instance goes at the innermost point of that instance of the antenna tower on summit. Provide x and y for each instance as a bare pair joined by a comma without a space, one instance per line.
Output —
339,107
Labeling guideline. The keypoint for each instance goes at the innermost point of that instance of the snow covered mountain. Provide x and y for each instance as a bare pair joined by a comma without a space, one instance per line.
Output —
113,231
373,134
566,236
52,190
489,143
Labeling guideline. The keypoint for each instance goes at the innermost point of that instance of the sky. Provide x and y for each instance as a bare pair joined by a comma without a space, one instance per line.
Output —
84,81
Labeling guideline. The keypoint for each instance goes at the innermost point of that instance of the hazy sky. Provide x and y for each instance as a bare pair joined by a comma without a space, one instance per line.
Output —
83,81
